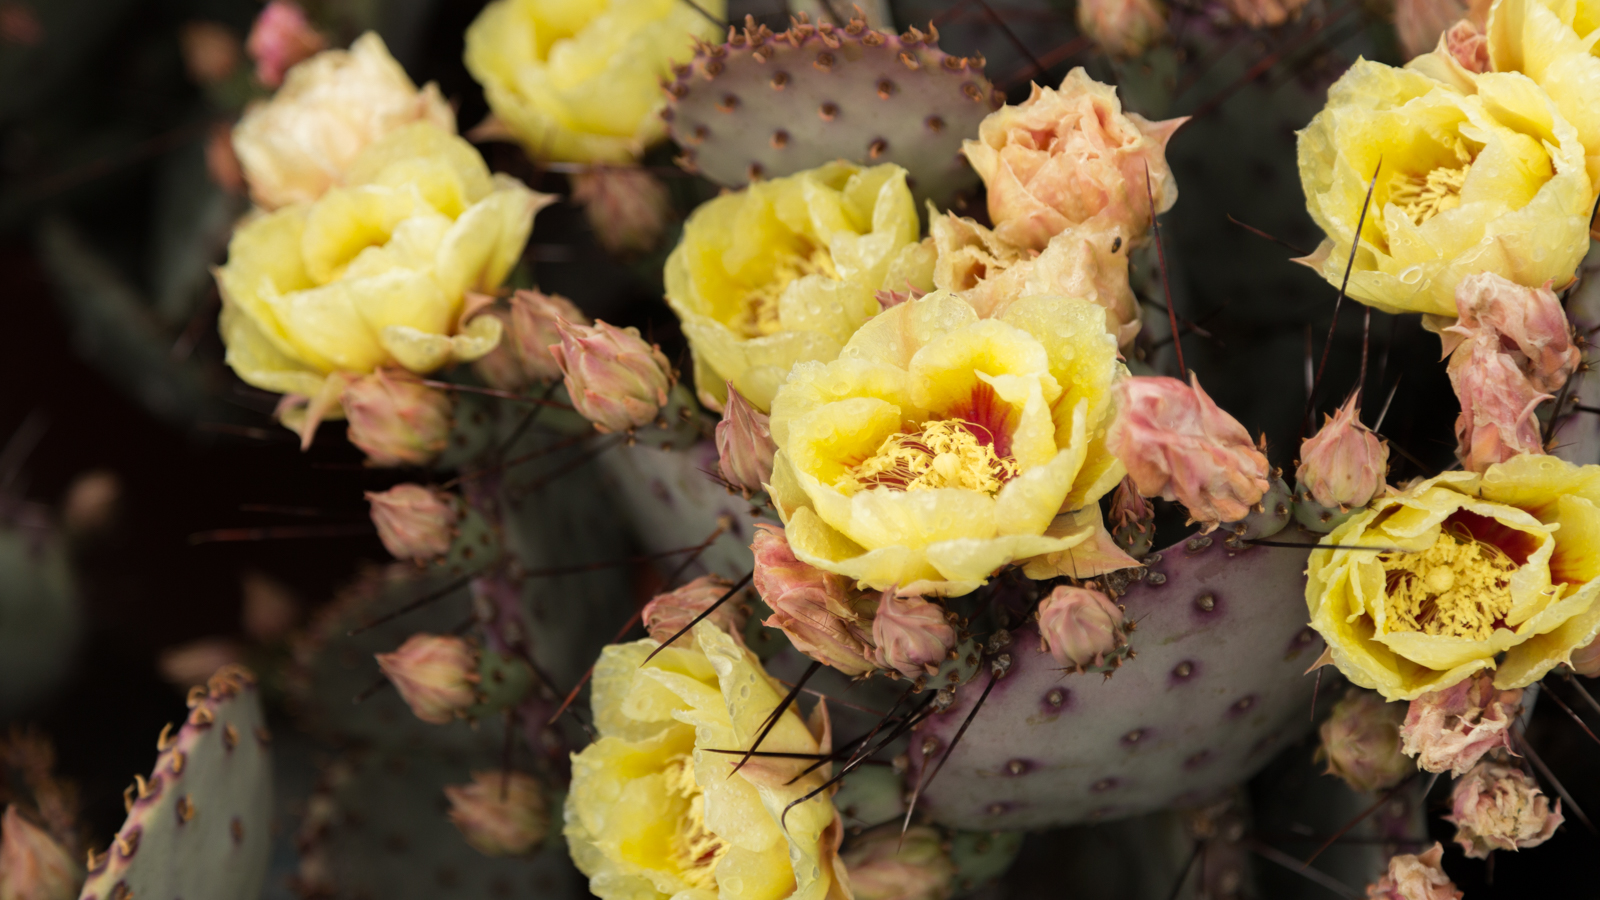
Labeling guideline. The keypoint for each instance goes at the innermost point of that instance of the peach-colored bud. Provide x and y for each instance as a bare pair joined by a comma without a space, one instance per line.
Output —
626,206
414,522
500,813
670,613
744,444
1497,406
1344,464
1179,445
1586,660
615,379
33,866
1079,626
1497,807
1415,876
436,674
1450,730
1132,519
1527,324
210,51
1123,27
1264,13
523,355
396,419
281,37
813,607
187,665
1361,742
270,609
1420,23
1468,46
884,865
221,162
912,635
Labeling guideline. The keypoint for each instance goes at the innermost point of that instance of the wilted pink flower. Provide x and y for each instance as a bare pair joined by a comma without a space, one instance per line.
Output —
1264,13
1066,156
744,444
500,813
1123,27
1497,405
436,674
1586,660
627,207
396,419
281,37
210,51
523,355
1421,22
1527,324
1179,445
1079,626
669,613
1497,807
1450,730
1361,742
33,866
912,635
1344,464
813,607
615,379
414,522
1415,877
884,865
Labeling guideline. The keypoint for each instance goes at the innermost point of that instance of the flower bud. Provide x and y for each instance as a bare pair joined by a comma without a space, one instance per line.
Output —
615,379
1133,519
1361,742
280,38
1586,660
1123,27
812,607
1469,47
670,613
1264,13
523,356
1344,464
1419,23
1527,324
744,444
1497,807
437,675
1497,405
500,813
884,865
912,635
1079,626
1450,730
1415,876
33,865
626,206
210,51
414,522
1179,445
396,419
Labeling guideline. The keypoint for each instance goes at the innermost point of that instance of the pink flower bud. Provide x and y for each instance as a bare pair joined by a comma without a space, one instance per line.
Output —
437,675
812,607
744,444
1527,324
1415,876
1264,13
210,51
1079,626
1419,23
1450,730
883,865
912,635
414,522
1497,807
1469,47
1344,464
670,613
500,813
615,379
1361,742
1586,660
626,206
1179,445
33,866
396,419
1497,405
1123,27
281,37
523,355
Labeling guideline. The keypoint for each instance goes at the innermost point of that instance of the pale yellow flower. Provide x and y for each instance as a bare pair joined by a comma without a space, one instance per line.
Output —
374,273
580,80
785,270
332,107
653,812
940,447
1490,572
1553,42
1486,182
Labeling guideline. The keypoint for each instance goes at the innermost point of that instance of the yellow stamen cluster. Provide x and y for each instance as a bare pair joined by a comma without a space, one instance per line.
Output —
1421,197
761,306
695,848
940,454
1459,587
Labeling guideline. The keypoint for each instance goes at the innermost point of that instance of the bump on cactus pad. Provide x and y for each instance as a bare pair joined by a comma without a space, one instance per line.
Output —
766,105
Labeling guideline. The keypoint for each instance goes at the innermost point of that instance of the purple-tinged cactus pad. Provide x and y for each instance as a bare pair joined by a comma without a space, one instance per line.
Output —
1216,689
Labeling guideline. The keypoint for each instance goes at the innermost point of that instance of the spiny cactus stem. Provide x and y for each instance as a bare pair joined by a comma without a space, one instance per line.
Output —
1267,851
822,757
414,605
697,551
1359,818
915,718
994,675
491,392
1327,346
1271,237
1266,62
777,713
600,447
737,587
558,446
1166,286
1533,757
1550,692
866,738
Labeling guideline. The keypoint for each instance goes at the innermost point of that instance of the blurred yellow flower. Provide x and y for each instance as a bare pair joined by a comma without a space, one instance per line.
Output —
1486,182
1554,44
940,447
374,273
580,80
785,271
653,812
1494,571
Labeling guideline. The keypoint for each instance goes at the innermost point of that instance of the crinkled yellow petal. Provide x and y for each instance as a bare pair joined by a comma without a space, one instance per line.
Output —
258,361
1095,554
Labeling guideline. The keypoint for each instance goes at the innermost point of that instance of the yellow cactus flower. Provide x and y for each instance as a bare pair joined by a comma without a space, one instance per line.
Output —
786,270
653,812
940,447
1554,44
1468,183
374,273
581,81
1495,571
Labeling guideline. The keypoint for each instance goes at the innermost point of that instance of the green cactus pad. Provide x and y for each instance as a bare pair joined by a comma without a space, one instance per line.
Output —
765,105
982,856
